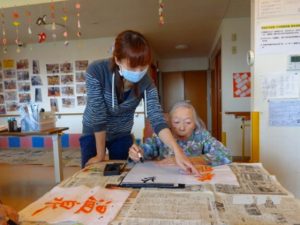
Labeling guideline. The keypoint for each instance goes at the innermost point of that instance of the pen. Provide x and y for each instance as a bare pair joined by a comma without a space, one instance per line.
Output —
141,157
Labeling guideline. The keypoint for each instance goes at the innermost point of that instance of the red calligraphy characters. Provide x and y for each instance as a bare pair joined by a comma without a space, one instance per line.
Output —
87,207
90,204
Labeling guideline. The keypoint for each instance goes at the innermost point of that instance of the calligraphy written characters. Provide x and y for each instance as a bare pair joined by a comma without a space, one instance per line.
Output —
87,207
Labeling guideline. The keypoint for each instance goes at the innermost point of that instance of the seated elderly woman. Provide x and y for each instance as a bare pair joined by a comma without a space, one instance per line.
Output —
190,133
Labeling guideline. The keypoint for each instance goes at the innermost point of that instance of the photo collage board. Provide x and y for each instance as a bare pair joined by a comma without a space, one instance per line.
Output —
21,82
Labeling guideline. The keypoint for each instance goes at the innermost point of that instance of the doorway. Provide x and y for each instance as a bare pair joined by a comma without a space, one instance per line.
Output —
216,97
187,85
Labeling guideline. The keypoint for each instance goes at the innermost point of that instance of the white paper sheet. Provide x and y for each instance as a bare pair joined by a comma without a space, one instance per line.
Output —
79,204
171,174
284,112
280,85
278,37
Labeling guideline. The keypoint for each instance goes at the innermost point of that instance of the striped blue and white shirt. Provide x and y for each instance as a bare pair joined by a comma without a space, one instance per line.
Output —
104,113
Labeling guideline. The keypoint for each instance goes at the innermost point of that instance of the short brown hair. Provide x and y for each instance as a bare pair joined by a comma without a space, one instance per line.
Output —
133,46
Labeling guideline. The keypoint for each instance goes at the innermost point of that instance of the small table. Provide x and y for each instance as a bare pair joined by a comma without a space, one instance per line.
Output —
55,133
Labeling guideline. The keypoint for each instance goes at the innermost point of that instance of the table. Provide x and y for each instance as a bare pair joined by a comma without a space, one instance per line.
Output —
55,134
264,189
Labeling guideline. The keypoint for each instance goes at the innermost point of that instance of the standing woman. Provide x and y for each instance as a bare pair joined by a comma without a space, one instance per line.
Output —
115,87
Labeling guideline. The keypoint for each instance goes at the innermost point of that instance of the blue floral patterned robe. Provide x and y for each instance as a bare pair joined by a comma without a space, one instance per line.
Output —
199,143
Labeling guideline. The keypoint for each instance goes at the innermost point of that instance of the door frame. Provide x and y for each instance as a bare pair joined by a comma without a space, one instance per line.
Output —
216,94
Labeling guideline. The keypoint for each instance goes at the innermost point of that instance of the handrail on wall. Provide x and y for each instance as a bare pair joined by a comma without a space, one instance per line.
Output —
243,115
57,114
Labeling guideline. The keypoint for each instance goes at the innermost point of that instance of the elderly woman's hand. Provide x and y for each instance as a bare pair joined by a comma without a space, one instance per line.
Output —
135,153
183,161
8,213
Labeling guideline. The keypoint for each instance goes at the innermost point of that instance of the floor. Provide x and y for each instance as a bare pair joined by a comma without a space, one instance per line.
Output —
17,190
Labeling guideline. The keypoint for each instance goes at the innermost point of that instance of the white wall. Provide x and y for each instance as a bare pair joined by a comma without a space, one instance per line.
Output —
279,146
183,64
234,63
56,52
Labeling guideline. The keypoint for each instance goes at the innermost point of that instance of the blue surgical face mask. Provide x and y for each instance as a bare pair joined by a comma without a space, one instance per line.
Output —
132,76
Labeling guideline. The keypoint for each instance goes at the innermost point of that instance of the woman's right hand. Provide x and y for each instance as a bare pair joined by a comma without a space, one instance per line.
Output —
6,213
135,152
95,159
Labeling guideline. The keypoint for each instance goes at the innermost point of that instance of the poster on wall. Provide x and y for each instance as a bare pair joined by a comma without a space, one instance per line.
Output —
38,95
68,102
2,109
11,106
81,65
10,96
24,97
81,100
53,80
9,74
53,91
24,86
67,91
1,99
67,79
10,85
280,85
278,37
66,68
36,80
241,84
8,63
23,75
53,104
80,77
35,66
285,112
52,68
267,8
80,89
22,64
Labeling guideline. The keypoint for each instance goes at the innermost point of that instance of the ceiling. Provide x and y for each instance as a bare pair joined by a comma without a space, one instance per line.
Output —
191,22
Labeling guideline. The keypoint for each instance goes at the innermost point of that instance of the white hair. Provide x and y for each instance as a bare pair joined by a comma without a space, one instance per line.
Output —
185,104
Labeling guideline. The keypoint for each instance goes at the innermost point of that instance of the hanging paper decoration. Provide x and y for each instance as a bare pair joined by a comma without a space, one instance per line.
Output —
78,33
4,40
160,12
29,21
41,20
65,33
16,24
52,9
53,24
42,37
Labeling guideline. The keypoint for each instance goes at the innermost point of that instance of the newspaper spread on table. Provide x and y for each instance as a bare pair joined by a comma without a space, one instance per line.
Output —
169,207
253,179
172,207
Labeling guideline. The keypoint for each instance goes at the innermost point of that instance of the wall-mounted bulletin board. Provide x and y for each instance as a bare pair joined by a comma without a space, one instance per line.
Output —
60,87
